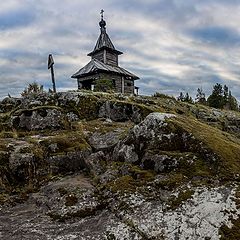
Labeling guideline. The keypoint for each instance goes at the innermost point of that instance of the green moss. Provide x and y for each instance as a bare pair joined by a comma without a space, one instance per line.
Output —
8,134
3,145
4,117
231,233
34,149
38,152
4,198
68,142
140,174
182,197
145,110
196,168
223,144
171,181
122,184
136,178
99,126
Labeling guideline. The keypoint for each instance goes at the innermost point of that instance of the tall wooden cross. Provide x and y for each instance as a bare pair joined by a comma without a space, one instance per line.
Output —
50,65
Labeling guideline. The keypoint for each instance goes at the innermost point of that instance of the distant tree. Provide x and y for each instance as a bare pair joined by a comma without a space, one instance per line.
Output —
225,95
32,89
200,96
222,98
188,98
216,99
185,98
181,97
233,104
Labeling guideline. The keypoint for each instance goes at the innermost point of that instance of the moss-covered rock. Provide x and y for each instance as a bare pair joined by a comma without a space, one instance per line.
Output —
39,118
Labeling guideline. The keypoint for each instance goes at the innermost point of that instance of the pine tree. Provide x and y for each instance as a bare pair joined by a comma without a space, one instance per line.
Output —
187,98
225,95
233,104
216,99
200,96
181,97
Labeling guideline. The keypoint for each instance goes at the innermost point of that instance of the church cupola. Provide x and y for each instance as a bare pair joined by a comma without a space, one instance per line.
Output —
104,50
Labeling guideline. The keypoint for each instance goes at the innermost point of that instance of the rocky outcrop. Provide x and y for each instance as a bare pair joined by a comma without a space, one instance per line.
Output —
68,198
39,119
31,164
94,163
26,164
160,145
57,111
105,141
9,104
120,111
169,176
68,162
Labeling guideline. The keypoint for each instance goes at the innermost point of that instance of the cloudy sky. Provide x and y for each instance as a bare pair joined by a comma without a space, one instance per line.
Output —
172,45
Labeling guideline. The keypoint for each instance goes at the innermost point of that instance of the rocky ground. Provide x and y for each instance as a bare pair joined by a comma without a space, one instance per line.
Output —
82,165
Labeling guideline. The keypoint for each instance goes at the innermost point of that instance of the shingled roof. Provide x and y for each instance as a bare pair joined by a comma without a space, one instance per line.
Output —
95,66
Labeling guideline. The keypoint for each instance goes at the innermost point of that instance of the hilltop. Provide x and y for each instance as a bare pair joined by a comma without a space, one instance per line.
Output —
90,165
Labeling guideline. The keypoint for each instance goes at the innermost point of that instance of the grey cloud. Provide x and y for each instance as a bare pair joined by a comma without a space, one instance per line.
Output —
153,35
216,35
16,18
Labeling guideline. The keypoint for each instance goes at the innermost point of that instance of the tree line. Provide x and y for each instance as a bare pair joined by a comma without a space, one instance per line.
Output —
221,97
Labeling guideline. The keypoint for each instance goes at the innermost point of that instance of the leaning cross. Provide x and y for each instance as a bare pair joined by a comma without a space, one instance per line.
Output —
50,66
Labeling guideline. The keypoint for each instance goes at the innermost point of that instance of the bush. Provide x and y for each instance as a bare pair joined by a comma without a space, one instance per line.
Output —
103,85
32,89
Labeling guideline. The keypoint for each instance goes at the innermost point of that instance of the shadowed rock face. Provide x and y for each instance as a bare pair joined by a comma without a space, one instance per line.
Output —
118,111
105,141
39,119
65,176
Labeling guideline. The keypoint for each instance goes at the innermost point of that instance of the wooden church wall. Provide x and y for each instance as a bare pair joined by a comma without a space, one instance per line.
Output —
111,59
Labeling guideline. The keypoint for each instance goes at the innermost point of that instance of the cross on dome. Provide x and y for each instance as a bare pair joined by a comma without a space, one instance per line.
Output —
102,11
102,23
